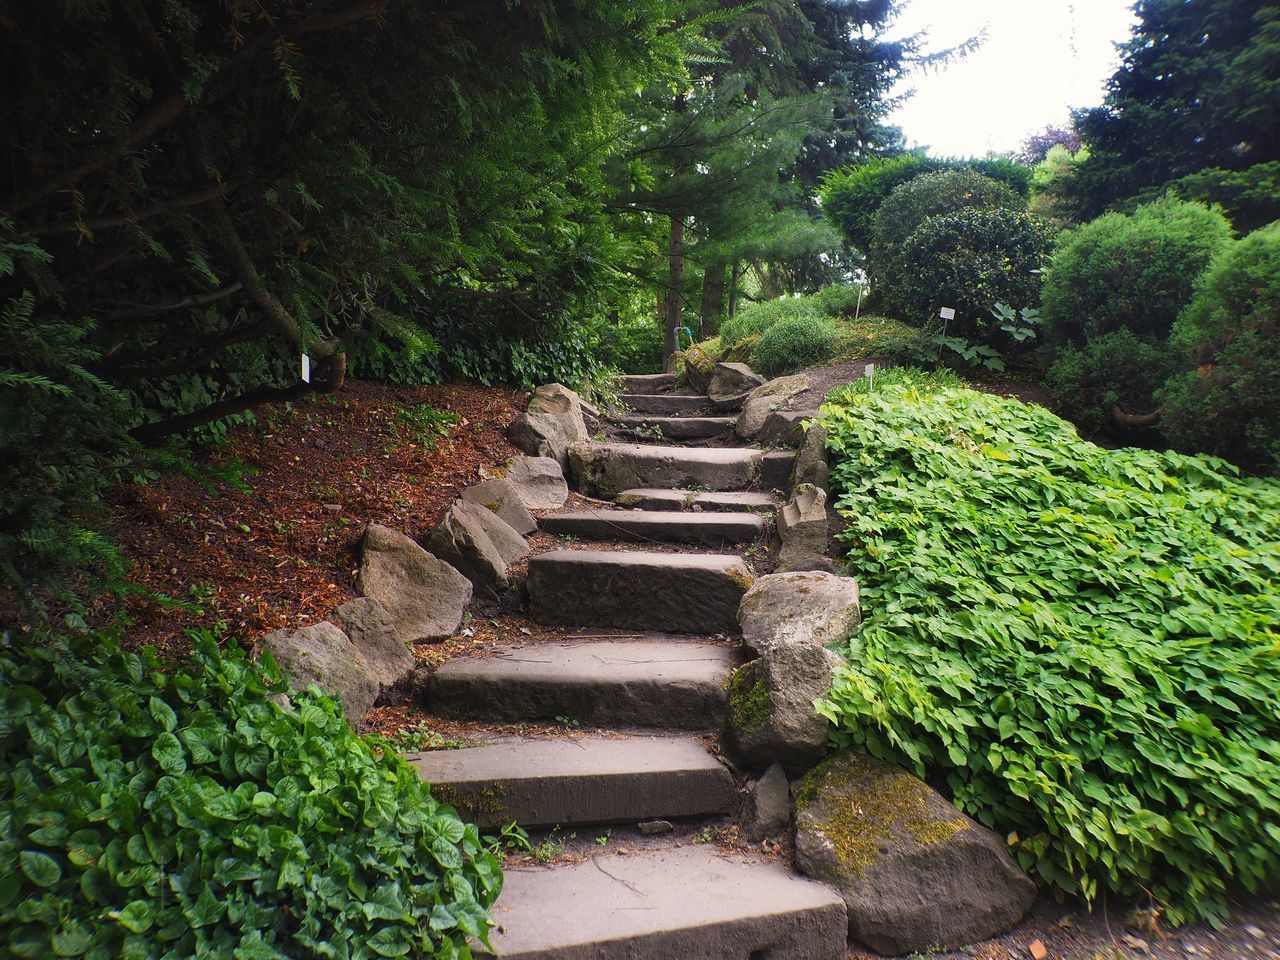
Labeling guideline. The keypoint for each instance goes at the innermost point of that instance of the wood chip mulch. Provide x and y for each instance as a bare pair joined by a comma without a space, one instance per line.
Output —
284,553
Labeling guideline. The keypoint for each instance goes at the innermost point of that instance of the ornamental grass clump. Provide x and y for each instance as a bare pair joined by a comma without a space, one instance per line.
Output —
148,812
1083,644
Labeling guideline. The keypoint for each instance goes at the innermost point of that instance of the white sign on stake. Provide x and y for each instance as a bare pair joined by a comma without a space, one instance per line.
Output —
306,369
870,371
947,313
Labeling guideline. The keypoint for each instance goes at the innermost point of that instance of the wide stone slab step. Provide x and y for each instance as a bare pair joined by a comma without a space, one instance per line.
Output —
550,782
665,404
634,683
674,592
654,498
692,903
642,526
648,382
604,470
680,428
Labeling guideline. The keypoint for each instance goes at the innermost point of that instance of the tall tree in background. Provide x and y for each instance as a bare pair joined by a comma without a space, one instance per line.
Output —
1199,88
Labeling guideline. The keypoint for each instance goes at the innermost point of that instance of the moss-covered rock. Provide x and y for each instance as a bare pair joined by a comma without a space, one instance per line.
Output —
771,713
699,365
914,871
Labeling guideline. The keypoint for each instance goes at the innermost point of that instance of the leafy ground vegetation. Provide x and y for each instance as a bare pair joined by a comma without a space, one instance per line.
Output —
150,812
1080,643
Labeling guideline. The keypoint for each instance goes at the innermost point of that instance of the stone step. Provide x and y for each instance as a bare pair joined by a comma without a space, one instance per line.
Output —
664,404
604,470
680,428
675,592
562,782
648,382
655,681
693,903
643,526
732,500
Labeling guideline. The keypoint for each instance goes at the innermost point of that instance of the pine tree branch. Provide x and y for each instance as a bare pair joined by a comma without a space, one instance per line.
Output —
196,300
195,198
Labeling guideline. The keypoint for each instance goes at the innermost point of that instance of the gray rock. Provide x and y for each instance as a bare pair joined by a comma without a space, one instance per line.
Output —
785,428
698,368
730,384
539,481
806,563
798,609
547,434
755,410
372,629
653,827
323,655
768,812
771,712
424,595
915,873
557,398
477,543
811,459
501,497
782,388
802,524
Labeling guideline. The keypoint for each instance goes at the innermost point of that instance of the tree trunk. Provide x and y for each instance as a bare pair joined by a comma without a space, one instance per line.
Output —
733,289
675,293
712,299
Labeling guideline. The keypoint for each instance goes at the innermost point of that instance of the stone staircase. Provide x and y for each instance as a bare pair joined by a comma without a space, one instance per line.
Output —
655,577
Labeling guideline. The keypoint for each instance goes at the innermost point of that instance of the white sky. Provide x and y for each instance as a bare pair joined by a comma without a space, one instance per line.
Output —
1041,58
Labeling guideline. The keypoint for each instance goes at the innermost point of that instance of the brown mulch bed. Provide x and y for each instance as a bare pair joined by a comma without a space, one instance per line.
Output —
283,554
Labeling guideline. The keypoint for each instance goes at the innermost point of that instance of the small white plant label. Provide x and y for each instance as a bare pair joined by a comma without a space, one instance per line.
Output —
306,369
947,313
870,371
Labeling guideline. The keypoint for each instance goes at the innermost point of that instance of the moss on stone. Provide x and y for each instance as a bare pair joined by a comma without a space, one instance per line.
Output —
867,805
744,580
749,704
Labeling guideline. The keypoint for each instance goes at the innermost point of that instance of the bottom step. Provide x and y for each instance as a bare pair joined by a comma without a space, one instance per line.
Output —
687,903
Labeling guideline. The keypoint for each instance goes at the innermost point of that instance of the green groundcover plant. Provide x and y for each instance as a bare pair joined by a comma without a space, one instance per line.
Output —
181,813
1082,645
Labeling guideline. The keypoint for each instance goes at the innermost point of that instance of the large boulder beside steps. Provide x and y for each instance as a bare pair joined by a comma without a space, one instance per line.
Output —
698,368
768,808
785,428
547,434
771,712
539,481
477,543
557,398
915,872
730,384
323,655
811,459
798,609
503,499
372,629
424,596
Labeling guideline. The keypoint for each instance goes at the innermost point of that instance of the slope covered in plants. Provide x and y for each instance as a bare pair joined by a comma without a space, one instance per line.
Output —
1081,643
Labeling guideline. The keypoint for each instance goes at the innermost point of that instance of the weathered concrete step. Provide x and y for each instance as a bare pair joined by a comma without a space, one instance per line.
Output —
681,428
648,382
606,469
732,500
641,683
642,526
549,782
690,902
676,592
664,404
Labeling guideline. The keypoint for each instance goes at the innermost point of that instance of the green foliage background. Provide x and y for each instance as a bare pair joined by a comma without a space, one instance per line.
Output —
1080,643
147,812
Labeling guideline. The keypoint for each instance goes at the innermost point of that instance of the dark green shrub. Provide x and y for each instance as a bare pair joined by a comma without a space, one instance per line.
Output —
907,209
1115,373
971,260
794,343
839,300
756,318
1229,405
1249,197
1134,271
851,197
149,812
1080,643
633,347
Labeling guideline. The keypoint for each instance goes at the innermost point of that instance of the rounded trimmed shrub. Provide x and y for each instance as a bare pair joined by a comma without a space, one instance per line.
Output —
1229,404
1114,374
971,260
756,318
1131,271
795,343
907,209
